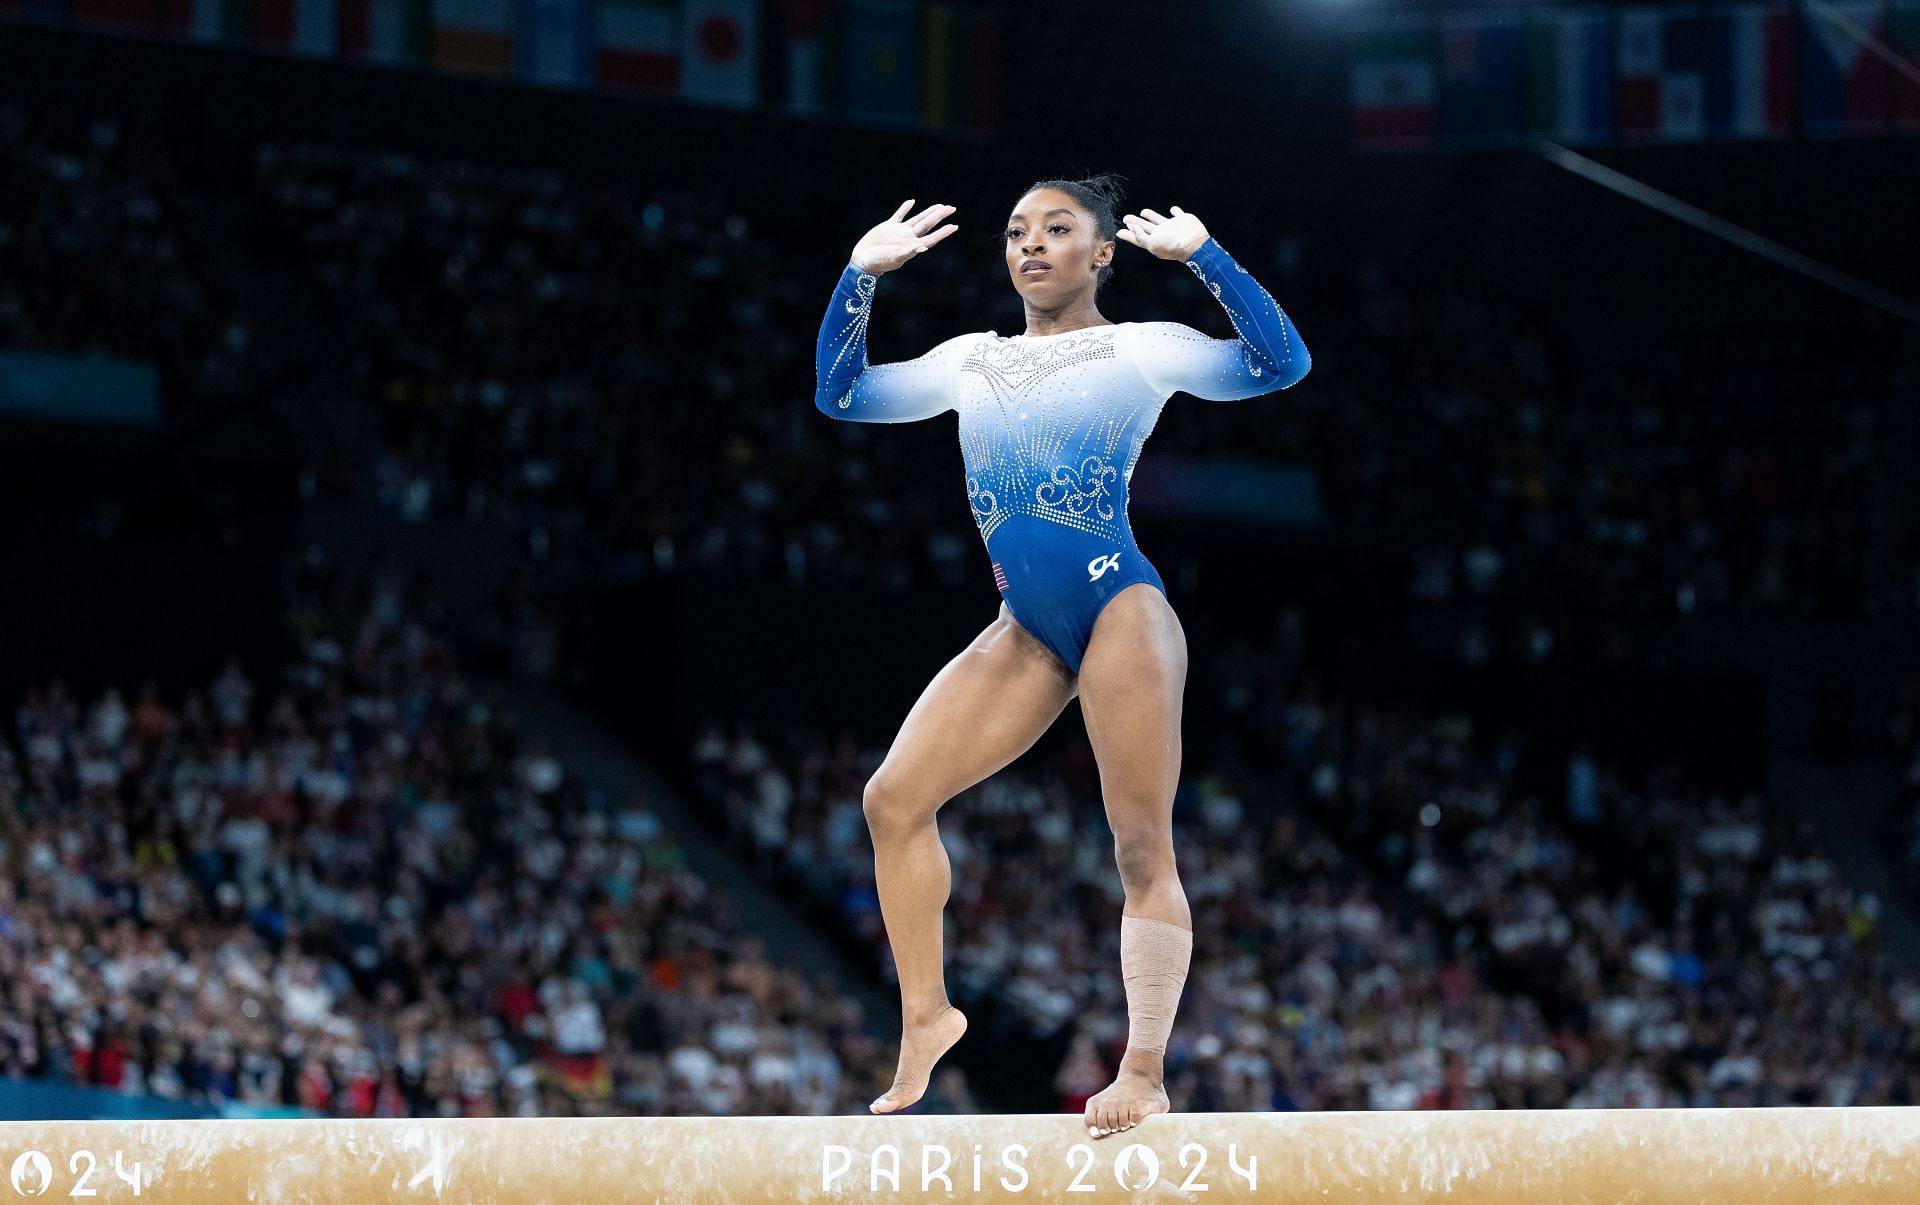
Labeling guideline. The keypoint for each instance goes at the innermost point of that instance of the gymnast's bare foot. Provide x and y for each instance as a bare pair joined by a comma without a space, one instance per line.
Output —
922,1042
1137,1092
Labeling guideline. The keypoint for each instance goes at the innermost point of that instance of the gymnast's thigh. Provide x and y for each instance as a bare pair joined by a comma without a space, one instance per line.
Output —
986,707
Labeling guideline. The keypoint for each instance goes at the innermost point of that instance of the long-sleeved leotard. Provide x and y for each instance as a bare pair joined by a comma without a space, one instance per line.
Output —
1052,425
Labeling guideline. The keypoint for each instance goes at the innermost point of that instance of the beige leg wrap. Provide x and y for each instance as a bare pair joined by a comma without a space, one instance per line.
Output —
1153,966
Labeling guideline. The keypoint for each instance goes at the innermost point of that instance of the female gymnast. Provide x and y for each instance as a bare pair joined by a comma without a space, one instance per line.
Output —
1051,423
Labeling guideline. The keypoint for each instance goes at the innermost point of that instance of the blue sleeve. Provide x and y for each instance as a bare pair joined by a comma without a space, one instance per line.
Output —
1268,354
847,387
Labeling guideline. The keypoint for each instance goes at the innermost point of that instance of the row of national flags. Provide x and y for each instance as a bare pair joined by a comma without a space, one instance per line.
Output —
910,64
1688,72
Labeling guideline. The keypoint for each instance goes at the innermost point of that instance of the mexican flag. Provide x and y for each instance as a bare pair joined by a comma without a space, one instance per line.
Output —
389,32
1570,75
807,52
1393,84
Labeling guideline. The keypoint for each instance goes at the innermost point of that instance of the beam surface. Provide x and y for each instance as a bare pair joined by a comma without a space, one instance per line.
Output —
1645,1157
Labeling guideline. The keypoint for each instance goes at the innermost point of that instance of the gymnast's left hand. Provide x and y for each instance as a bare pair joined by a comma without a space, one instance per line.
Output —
1175,238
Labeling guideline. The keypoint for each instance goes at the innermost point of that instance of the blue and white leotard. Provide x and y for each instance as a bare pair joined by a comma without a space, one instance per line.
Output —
1051,426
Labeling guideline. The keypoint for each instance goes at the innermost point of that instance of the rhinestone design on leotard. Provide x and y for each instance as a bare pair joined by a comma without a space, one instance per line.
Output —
861,306
986,508
1045,433
1085,491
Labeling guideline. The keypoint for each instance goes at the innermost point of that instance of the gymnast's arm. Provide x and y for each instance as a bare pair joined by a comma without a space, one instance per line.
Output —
1268,353
846,386
849,388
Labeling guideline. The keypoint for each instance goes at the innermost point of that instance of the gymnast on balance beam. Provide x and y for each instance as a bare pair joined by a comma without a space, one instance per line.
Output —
1052,421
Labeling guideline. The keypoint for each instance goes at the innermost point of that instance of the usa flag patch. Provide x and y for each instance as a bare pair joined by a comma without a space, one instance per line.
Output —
999,577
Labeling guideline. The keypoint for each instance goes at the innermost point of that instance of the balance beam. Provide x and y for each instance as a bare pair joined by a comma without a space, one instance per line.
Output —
1648,1157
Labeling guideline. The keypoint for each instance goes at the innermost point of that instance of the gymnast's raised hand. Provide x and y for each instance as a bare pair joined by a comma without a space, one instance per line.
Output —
900,238
1175,238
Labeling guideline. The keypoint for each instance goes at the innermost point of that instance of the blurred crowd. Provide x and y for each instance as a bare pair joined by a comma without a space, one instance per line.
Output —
1536,479
361,891
1906,805
1392,909
103,252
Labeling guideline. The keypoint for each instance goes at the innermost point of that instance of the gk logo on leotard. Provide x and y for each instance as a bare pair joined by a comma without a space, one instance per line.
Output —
1098,566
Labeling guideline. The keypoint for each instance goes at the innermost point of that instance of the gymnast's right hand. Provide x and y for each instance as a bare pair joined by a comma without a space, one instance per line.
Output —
900,238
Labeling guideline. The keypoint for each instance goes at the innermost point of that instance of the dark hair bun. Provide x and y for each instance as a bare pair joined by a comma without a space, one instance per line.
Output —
1108,186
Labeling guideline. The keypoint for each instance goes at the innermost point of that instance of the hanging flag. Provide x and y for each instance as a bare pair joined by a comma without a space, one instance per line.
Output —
182,19
1480,95
1903,38
270,24
1660,87
117,16
983,73
1637,72
472,36
720,52
389,32
640,46
39,12
1570,75
1844,87
213,22
1750,79
1683,78
553,42
316,28
883,71
940,36
1392,84
806,40
959,52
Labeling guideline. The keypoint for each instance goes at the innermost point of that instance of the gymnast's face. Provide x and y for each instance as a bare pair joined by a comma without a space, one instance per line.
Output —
1049,228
